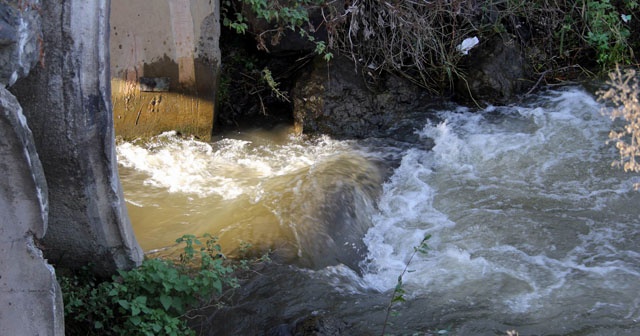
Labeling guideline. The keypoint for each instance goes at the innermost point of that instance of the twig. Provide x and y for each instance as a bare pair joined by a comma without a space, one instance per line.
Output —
138,116
398,289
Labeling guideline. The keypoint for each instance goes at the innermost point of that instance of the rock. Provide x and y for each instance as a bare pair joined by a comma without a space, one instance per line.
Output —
20,37
68,106
340,100
312,325
317,325
30,295
495,71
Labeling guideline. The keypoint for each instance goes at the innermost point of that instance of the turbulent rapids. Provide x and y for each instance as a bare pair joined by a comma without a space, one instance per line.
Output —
531,228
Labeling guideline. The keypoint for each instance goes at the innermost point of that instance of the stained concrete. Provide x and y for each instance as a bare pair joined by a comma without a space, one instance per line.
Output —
69,111
30,297
174,39
59,190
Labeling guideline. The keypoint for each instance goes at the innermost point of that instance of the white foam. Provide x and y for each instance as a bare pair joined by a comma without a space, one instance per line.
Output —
519,206
228,168
524,211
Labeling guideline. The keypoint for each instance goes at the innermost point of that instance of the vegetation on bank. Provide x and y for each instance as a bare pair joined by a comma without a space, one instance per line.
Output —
623,92
154,299
562,41
420,40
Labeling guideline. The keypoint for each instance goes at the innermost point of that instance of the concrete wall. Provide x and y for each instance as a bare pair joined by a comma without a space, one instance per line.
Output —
30,297
59,186
67,103
31,301
172,42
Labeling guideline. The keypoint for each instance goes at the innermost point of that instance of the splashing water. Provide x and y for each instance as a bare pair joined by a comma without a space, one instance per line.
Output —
530,226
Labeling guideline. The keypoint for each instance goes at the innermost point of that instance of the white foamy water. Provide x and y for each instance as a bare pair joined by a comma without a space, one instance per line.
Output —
256,188
530,226
527,218
227,168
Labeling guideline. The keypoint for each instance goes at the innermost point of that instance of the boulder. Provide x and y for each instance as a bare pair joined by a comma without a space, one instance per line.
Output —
495,69
345,101
30,295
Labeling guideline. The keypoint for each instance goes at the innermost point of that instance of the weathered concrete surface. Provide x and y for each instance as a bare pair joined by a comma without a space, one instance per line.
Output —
69,111
30,298
20,38
177,39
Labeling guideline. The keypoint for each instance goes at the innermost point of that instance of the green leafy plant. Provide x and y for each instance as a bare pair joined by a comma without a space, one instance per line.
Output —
273,85
151,299
398,292
283,15
607,32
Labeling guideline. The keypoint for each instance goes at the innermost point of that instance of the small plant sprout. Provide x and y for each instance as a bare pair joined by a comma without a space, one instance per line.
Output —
398,291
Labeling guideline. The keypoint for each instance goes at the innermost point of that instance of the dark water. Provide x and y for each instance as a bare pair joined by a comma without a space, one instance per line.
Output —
531,228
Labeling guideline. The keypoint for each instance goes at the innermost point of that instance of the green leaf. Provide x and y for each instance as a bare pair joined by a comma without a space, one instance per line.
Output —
124,304
398,298
135,320
166,301
135,310
178,305
156,327
142,300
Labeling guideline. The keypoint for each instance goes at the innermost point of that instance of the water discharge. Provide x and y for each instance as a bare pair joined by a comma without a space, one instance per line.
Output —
531,227
286,195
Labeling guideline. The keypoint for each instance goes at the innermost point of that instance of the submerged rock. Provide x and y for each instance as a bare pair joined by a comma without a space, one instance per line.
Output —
315,325
312,325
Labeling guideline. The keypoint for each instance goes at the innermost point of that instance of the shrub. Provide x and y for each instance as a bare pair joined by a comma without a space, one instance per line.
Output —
283,15
151,299
414,39
419,40
607,32
624,93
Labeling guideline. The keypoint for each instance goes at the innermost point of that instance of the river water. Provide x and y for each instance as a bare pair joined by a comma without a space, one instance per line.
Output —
531,228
